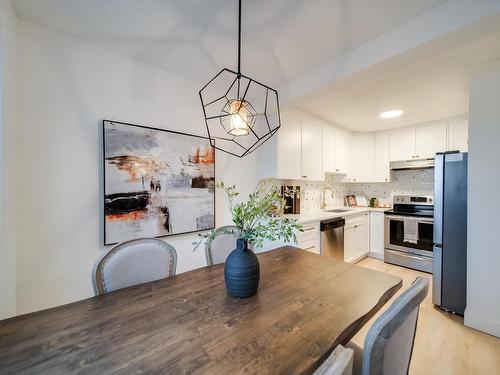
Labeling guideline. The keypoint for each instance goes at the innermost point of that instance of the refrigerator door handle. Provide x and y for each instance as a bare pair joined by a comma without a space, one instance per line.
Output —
436,274
438,197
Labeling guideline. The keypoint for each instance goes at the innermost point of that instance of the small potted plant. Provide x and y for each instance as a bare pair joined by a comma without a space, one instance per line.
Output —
258,219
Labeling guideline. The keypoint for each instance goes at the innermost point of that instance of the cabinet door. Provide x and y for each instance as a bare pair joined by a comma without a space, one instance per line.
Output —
402,144
311,152
309,239
289,148
342,152
430,139
382,158
328,147
458,134
377,234
350,244
363,163
362,233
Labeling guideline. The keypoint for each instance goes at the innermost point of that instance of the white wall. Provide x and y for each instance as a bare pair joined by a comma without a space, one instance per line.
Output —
483,255
8,24
66,87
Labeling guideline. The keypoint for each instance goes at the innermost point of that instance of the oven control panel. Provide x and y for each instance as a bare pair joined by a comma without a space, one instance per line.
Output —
413,199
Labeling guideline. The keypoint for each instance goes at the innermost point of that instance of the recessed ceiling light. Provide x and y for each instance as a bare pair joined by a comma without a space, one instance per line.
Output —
391,114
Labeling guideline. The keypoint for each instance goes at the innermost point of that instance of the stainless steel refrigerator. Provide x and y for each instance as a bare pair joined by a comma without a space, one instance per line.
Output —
450,232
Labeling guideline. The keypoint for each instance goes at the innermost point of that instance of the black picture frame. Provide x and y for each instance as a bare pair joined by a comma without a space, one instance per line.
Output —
103,197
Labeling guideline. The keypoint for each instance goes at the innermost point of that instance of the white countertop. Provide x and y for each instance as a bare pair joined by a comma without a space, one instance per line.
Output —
311,217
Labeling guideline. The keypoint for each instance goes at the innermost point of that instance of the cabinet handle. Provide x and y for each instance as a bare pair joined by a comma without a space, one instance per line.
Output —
337,170
354,179
386,179
308,229
304,176
310,247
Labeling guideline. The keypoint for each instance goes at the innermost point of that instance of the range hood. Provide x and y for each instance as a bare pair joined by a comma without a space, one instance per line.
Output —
412,164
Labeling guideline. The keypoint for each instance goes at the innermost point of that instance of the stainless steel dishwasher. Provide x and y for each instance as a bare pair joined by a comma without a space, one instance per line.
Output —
332,238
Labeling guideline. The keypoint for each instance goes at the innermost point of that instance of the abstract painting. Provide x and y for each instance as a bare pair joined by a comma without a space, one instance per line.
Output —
156,182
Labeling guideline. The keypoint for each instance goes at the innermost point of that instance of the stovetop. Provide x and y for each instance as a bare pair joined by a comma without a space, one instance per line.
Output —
412,210
424,213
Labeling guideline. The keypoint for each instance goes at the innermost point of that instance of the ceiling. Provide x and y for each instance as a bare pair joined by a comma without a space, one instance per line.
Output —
282,39
431,89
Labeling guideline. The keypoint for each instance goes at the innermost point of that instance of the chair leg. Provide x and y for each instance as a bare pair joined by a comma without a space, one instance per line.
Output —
358,358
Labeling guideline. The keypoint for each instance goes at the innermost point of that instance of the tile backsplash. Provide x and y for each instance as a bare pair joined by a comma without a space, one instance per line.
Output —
418,182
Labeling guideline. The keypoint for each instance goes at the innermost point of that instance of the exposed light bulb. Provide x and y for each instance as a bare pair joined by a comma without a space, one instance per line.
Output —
239,118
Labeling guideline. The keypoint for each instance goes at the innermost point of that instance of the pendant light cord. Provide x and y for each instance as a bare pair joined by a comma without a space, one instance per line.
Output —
239,37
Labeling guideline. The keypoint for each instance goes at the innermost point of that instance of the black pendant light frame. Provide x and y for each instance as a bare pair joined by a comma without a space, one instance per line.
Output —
269,125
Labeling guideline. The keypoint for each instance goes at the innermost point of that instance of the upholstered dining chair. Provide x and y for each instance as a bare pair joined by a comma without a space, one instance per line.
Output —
389,343
340,362
134,262
218,249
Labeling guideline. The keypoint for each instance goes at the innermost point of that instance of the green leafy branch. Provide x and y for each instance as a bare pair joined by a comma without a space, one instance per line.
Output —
258,219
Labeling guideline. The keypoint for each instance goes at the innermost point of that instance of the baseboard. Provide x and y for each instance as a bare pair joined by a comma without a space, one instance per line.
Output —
376,255
482,323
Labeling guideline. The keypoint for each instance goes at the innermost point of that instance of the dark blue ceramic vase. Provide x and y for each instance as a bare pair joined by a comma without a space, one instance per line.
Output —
241,271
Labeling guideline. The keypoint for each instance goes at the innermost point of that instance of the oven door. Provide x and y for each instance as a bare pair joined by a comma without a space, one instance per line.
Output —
394,235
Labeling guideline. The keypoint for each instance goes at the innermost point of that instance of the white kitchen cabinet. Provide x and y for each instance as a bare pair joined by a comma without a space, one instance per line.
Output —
458,134
298,149
402,144
430,139
289,157
377,235
311,152
363,162
343,144
382,172
350,243
328,147
356,233
309,239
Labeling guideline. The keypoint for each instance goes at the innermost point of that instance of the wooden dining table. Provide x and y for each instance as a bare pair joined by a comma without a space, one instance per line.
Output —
306,305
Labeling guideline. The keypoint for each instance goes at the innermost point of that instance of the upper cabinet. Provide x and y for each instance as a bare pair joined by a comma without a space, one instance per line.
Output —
311,151
458,134
307,148
328,147
298,149
289,145
430,139
418,142
402,144
363,158
382,160
343,144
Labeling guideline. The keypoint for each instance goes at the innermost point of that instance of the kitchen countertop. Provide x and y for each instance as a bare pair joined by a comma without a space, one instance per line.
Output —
311,217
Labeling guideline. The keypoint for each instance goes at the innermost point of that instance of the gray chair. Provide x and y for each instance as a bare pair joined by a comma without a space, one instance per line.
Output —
389,342
340,362
218,249
134,262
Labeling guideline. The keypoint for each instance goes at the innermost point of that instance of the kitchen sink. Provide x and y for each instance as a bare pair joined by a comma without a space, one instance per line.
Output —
338,210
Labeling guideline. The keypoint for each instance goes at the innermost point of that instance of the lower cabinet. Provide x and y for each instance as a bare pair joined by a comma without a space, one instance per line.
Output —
309,239
377,235
356,235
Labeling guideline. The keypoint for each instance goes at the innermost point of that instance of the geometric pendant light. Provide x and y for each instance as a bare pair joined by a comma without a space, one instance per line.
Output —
240,112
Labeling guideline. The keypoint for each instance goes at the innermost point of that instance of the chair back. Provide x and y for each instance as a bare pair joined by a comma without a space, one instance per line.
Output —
218,249
340,362
134,262
389,342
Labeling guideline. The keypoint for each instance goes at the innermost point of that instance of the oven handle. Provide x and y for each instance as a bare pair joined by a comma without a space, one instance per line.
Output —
401,218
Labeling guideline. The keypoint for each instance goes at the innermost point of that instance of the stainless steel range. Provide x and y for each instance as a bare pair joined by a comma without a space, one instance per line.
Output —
409,228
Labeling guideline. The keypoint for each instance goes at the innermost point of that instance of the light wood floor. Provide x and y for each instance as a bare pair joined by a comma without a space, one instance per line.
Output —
443,345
